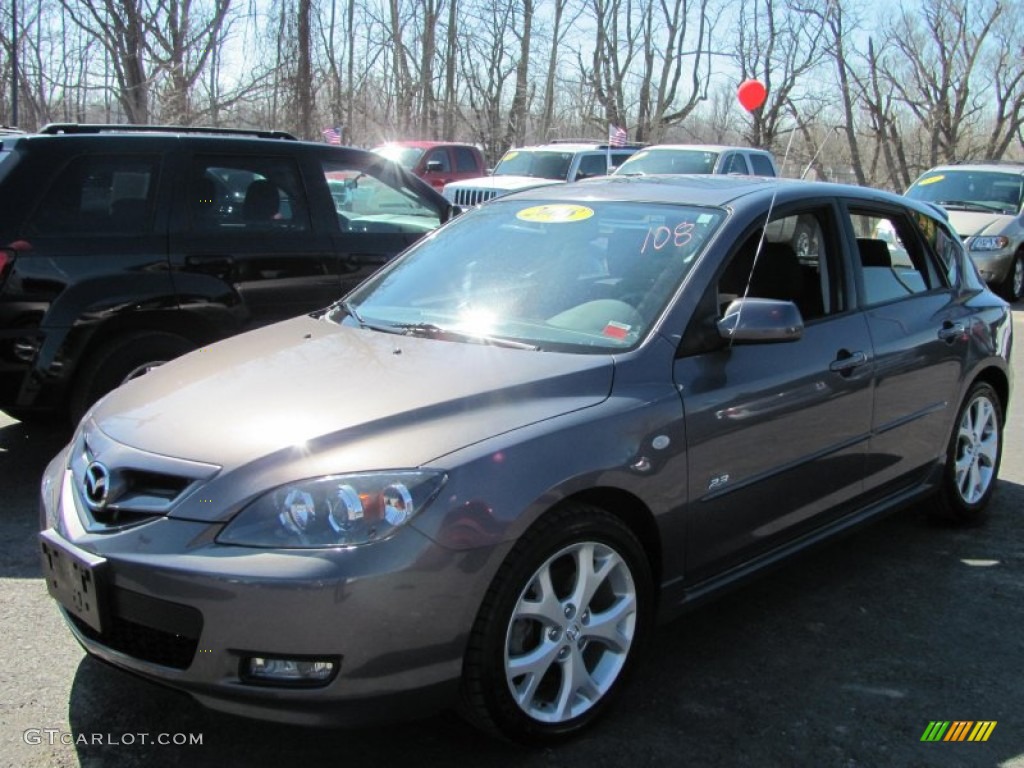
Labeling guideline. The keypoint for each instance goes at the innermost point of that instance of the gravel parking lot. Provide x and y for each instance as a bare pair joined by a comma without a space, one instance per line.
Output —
839,658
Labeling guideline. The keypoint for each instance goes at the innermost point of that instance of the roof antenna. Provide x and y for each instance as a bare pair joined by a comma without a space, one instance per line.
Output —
760,241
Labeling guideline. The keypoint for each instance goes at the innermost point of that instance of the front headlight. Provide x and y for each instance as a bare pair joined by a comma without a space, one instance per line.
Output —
989,243
335,511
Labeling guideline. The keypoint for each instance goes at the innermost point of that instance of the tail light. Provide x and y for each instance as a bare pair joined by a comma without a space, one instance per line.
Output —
6,260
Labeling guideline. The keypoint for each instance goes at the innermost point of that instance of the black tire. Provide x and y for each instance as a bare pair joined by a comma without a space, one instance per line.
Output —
120,359
1012,288
972,458
562,636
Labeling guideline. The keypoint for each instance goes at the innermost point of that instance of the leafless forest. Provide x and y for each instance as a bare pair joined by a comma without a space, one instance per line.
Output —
864,91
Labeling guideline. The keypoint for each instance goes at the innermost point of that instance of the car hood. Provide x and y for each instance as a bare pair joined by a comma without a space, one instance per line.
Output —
971,223
305,379
502,182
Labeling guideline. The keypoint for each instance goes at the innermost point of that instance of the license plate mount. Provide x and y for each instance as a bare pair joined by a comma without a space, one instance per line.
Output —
74,578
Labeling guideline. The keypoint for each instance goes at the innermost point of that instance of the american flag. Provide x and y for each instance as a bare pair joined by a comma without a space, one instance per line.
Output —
617,136
332,135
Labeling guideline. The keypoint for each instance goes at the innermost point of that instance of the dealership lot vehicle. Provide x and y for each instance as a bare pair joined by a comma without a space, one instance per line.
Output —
699,158
122,247
526,167
436,162
481,477
985,202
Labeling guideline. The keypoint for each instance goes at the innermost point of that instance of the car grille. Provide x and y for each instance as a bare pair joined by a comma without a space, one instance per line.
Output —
118,486
148,629
469,197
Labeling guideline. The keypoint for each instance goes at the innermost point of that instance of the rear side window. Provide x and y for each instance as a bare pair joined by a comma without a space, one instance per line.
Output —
99,195
894,263
762,165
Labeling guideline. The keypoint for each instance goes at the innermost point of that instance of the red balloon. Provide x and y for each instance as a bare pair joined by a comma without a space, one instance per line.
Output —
751,94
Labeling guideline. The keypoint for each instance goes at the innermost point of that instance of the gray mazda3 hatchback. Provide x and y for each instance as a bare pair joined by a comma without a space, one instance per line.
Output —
480,478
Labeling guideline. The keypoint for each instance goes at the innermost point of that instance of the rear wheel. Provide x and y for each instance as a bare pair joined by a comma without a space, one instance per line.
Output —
973,456
560,627
120,360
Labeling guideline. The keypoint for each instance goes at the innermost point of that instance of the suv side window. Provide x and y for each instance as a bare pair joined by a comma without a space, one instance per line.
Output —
762,165
367,203
439,156
592,165
735,163
99,195
246,193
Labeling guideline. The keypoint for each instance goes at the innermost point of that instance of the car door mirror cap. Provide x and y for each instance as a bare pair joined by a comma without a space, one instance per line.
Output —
756,320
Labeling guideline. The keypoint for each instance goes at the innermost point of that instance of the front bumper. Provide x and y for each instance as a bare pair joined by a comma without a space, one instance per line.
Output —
182,610
994,266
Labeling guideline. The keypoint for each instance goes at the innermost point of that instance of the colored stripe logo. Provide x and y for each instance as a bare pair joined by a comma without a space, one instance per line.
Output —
959,730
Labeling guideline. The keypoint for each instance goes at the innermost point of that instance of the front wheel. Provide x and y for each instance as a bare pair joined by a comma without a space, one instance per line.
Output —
560,627
972,457
1013,285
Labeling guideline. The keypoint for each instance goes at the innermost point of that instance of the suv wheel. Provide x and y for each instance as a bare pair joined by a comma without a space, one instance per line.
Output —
120,360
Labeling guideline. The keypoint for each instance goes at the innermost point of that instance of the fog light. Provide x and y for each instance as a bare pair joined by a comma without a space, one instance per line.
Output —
308,671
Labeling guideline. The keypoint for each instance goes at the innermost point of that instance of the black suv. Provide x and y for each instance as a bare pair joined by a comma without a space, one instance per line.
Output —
122,247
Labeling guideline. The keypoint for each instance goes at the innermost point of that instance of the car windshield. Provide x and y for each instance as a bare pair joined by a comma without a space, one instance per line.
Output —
559,276
669,161
404,156
543,165
995,191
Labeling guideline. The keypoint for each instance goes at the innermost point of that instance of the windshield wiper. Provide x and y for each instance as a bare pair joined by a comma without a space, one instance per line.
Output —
969,205
431,331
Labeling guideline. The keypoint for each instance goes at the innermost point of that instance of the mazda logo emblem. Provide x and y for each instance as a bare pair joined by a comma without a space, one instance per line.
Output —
96,485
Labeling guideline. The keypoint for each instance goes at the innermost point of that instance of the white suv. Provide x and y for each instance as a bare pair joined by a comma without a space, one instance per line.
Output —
984,202
524,167
700,158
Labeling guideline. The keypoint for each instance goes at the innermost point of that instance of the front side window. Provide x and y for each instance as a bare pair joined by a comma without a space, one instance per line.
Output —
376,198
791,259
237,194
99,195
762,165
437,161
592,165
560,276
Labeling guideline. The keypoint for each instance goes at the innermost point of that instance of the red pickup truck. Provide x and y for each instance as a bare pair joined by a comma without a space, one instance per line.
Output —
436,162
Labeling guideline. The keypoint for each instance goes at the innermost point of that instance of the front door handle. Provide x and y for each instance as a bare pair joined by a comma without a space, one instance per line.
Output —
951,331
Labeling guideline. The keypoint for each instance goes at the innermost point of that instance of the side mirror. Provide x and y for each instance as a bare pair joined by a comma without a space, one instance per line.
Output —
755,321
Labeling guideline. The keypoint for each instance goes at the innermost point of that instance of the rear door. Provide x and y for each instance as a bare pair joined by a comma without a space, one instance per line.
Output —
919,332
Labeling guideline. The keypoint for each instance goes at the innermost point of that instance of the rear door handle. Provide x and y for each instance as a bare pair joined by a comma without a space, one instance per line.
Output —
846,362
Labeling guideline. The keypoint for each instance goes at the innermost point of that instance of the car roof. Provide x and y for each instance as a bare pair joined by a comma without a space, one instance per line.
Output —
707,189
571,146
422,143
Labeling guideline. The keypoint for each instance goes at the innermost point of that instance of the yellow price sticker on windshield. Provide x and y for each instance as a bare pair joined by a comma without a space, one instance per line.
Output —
930,180
555,213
